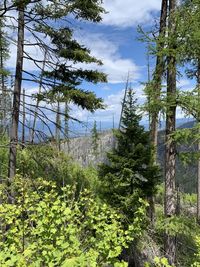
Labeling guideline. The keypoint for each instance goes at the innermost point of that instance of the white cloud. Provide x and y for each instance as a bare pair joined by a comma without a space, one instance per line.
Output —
113,107
123,13
28,65
114,65
184,83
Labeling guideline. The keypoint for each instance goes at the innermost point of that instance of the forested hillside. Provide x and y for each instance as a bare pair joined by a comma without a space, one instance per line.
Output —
71,193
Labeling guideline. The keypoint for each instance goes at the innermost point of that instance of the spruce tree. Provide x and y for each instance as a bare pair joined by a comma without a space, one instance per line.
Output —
129,172
4,54
52,21
95,139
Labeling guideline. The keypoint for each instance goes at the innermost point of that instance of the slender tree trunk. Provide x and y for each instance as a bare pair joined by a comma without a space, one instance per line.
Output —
157,83
198,171
23,120
3,88
157,78
58,126
16,100
37,103
67,125
170,160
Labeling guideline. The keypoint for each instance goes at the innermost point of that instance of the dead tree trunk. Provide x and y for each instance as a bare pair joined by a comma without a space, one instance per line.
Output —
16,100
37,103
23,120
58,126
3,87
198,171
170,153
66,120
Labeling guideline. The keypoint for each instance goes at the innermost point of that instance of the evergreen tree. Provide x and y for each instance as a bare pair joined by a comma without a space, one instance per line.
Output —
4,54
130,172
50,20
95,139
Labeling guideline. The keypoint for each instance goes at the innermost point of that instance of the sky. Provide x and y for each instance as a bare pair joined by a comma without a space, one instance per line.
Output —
115,42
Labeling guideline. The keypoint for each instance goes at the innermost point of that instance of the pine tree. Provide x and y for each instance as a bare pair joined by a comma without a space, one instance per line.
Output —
63,53
4,54
95,139
129,172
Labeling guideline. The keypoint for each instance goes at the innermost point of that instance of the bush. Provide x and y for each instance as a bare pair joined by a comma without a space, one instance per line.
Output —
47,228
47,162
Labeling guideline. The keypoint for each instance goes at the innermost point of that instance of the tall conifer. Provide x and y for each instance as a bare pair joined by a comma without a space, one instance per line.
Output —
129,172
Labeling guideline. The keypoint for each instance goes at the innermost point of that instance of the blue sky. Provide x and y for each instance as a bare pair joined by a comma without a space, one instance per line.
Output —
115,42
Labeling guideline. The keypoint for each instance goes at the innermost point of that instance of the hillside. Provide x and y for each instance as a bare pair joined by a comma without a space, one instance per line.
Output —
80,149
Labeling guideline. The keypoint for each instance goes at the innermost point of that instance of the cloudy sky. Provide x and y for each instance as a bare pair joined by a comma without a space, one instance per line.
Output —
115,42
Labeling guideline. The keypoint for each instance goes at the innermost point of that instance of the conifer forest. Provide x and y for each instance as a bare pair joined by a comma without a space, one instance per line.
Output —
99,133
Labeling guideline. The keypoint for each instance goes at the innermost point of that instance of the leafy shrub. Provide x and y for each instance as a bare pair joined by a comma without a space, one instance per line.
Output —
197,255
4,142
159,262
47,162
189,199
47,228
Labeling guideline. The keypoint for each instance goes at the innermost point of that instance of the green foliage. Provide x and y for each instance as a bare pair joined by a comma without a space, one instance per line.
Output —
188,23
3,45
159,262
177,225
66,76
196,262
159,197
129,173
47,162
95,139
4,144
44,228
189,199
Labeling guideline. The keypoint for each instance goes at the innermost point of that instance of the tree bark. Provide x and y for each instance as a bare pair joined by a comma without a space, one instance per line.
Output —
157,78
170,161
157,83
66,120
16,100
23,120
198,170
3,88
37,103
58,126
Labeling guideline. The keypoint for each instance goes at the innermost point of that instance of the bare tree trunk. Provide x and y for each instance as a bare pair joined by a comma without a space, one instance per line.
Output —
23,120
3,88
198,171
170,160
67,125
58,126
37,103
16,100
157,83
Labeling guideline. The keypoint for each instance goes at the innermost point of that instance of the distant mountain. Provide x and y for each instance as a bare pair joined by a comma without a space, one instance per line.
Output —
81,150
186,175
189,124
